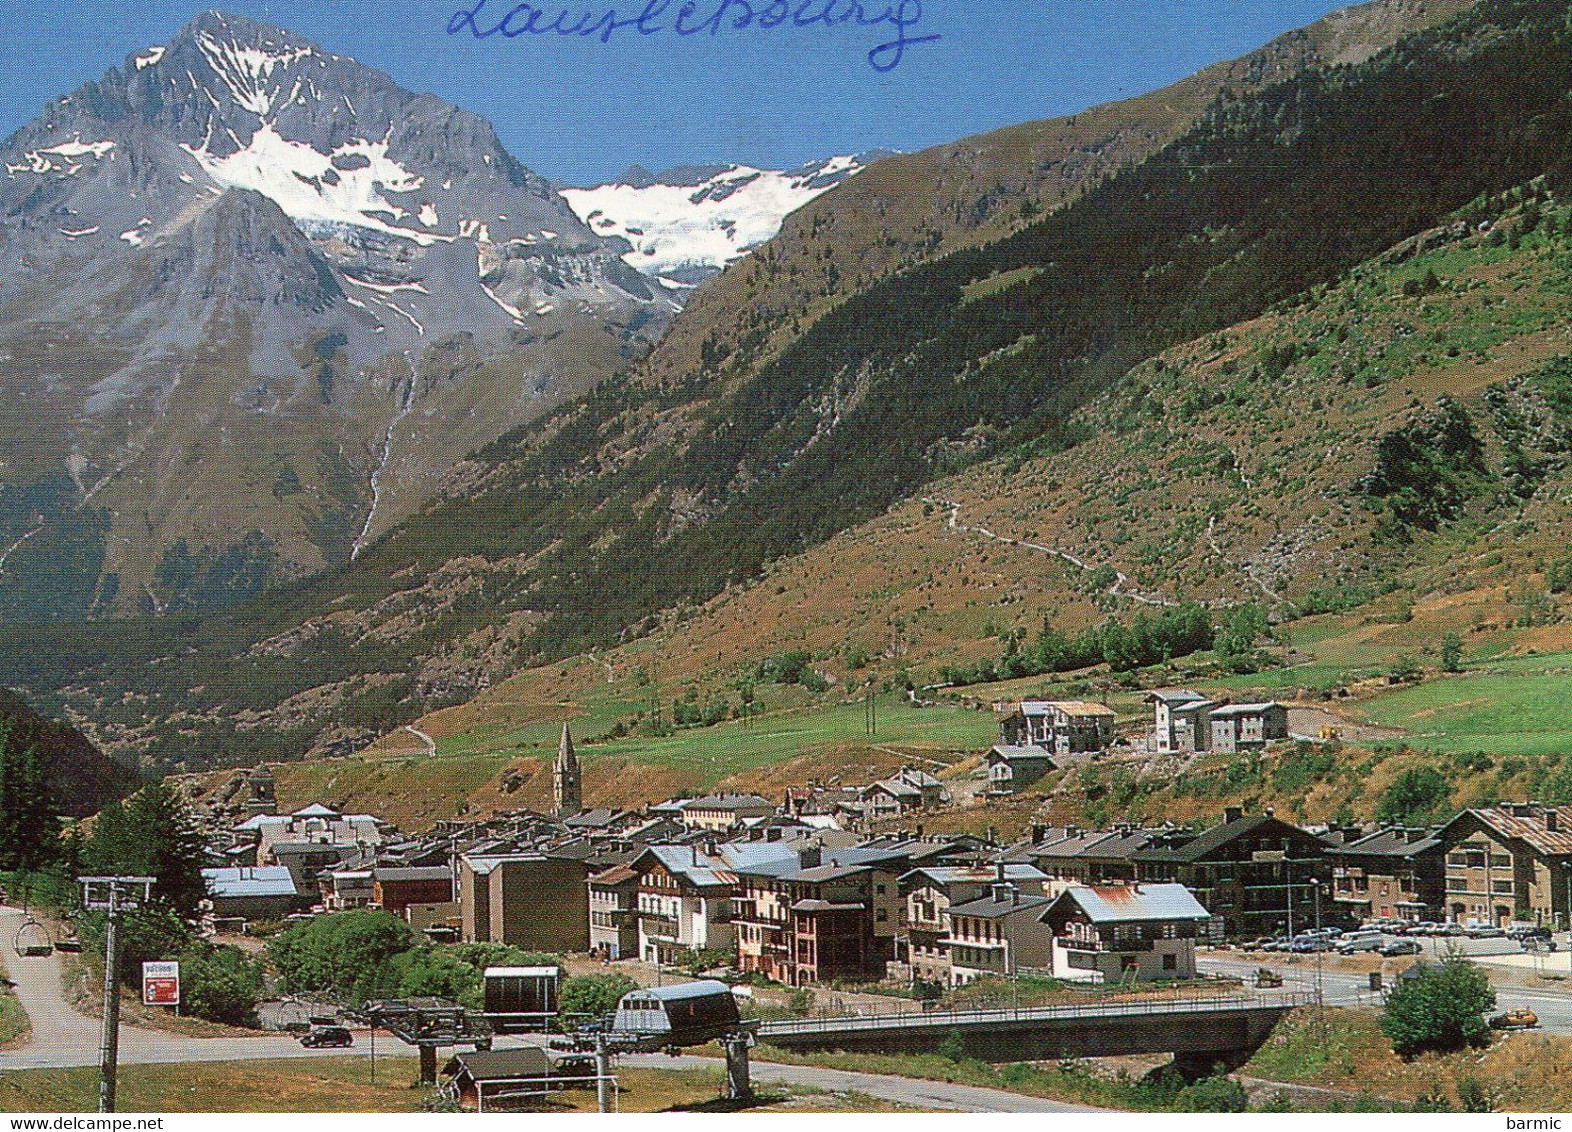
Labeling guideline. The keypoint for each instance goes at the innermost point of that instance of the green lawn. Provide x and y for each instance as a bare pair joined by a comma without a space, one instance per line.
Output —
713,753
1515,708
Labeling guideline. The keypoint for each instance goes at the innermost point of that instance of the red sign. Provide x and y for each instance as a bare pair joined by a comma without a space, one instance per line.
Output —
161,984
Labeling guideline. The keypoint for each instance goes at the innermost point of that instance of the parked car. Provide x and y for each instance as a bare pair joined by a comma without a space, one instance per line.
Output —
575,1071
1401,947
328,1037
1359,941
1515,1020
1485,931
1311,945
1527,931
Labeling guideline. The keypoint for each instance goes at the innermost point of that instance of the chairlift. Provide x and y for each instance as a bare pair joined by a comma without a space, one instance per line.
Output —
32,940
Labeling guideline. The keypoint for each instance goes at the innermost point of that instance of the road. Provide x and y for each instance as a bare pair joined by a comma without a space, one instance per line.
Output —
64,1038
1516,986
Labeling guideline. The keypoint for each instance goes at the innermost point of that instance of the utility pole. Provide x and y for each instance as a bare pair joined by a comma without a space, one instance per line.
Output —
602,1069
112,895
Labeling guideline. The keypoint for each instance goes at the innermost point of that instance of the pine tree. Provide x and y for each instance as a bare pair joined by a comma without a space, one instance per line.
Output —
151,834
29,810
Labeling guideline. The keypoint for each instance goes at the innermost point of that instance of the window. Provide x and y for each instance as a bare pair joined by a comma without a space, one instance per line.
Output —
1170,962
1500,861
881,916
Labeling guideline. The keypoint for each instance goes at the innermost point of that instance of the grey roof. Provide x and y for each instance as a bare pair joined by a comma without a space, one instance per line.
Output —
1173,696
268,880
821,873
989,907
1244,709
500,1064
897,787
1198,847
691,864
1011,753
1130,903
1394,842
826,906
415,872
728,802
950,874
300,848
703,988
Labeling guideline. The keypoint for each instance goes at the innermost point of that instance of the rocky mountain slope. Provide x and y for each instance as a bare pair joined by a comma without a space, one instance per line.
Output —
689,223
913,207
255,299
650,497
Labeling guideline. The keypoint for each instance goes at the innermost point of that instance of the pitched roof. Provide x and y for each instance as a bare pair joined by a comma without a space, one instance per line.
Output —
500,1064
1243,709
1010,753
728,802
826,906
1530,827
1068,707
1394,842
414,873
990,907
1200,846
315,810
1173,696
1127,903
268,880
896,787
952,874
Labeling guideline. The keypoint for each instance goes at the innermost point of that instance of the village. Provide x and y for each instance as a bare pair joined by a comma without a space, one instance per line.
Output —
843,886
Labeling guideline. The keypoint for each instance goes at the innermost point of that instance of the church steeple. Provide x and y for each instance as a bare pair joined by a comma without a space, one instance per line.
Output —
566,784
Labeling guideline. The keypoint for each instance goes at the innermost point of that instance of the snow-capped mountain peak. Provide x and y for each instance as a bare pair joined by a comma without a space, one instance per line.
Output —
689,223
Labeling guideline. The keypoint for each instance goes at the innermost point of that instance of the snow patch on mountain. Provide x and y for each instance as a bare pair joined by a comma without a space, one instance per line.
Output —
687,225
344,187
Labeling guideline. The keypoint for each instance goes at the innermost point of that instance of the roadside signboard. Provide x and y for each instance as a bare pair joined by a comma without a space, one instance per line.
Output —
161,984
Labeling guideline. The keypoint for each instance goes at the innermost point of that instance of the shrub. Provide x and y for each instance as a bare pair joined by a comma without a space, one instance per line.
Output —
593,995
1440,1009
220,984
1414,795
953,1048
800,1001
350,954
1212,1094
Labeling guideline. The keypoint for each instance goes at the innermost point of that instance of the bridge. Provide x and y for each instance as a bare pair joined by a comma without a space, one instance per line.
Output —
1201,1032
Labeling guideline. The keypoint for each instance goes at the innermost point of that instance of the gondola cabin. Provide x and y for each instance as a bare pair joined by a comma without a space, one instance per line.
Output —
520,998
688,1014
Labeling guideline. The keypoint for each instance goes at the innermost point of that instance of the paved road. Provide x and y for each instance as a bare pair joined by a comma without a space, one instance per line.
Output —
1514,988
902,1090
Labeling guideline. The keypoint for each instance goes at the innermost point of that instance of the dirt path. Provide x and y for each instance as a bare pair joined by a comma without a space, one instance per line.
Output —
1306,723
426,740
1121,580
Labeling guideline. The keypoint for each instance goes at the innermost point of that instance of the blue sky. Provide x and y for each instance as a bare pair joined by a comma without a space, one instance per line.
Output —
579,111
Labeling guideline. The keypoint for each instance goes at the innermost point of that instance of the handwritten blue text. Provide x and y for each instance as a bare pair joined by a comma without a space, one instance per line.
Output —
698,17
